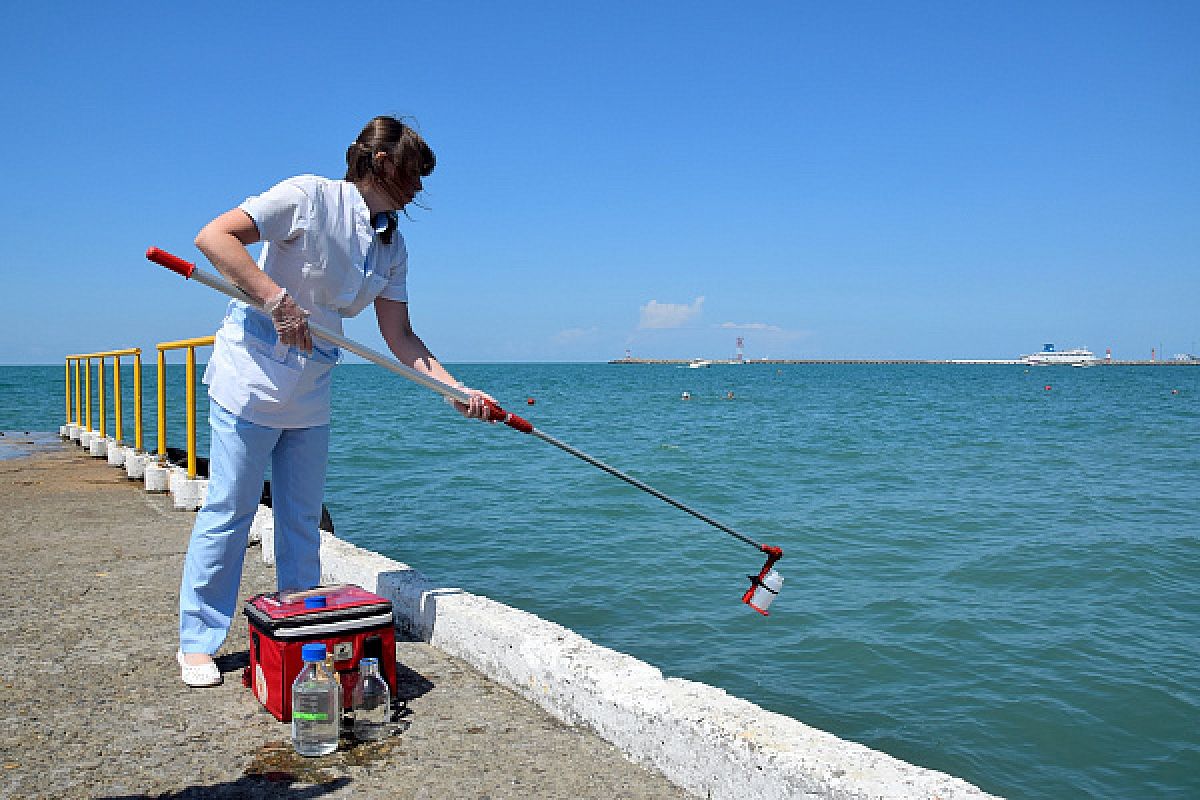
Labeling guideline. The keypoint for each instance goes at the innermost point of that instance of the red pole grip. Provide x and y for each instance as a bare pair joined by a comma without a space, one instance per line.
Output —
173,263
494,411
773,555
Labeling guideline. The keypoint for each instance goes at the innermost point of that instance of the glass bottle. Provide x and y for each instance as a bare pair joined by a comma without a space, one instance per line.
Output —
372,703
316,705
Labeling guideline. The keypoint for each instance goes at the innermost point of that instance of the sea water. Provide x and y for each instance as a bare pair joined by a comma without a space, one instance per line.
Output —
984,576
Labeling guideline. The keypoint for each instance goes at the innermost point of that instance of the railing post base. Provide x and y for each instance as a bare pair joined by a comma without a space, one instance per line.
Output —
157,477
135,463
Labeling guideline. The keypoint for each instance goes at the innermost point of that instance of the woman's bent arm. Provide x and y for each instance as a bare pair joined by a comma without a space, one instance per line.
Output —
224,242
404,343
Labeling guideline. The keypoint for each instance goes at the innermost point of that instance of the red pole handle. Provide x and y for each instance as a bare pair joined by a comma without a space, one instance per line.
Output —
173,263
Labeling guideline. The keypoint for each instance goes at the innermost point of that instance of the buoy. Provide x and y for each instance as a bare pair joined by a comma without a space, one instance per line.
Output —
1047,387
530,400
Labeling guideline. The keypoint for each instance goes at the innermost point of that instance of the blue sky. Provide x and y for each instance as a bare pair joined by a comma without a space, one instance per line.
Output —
942,180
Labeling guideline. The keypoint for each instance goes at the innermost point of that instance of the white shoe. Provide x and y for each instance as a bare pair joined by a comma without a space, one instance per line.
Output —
198,676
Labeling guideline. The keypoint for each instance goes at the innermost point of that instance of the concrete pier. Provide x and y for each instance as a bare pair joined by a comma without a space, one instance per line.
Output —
498,703
92,704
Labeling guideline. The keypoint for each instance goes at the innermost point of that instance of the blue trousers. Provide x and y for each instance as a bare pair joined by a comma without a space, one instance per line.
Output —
238,459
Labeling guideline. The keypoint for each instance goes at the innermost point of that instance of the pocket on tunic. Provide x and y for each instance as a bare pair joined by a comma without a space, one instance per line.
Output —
247,369
332,286
275,371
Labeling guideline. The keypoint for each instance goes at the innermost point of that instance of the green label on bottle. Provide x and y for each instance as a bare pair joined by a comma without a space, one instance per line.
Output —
309,715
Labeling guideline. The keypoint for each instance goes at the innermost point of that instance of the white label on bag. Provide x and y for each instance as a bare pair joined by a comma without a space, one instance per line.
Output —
260,684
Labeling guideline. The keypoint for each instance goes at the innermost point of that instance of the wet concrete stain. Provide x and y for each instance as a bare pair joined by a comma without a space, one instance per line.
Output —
278,761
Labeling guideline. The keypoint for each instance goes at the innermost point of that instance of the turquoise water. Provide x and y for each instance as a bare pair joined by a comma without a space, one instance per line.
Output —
984,576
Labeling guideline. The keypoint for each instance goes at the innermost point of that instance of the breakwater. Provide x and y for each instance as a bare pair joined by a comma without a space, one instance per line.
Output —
1000,361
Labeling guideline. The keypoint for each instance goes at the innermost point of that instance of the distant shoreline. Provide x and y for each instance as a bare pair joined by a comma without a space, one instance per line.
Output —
355,361
1007,362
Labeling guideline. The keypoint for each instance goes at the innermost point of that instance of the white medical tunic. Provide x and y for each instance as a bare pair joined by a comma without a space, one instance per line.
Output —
319,244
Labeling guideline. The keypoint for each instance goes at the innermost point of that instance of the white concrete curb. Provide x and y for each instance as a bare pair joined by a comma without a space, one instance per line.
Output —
189,494
135,463
156,477
704,740
98,446
262,530
264,520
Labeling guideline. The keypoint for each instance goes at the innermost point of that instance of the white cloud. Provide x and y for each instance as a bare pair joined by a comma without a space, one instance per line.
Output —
752,326
668,315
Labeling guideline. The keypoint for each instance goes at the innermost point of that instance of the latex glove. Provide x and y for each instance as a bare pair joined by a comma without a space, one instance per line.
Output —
477,408
291,321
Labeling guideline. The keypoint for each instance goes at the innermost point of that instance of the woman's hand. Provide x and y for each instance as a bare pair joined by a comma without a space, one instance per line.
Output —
291,321
477,408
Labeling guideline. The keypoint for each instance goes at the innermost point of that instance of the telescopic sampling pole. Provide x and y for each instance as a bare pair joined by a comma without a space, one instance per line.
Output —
763,586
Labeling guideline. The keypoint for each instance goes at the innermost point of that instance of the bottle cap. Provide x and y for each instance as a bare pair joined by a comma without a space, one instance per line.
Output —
368,662
313,652
315,602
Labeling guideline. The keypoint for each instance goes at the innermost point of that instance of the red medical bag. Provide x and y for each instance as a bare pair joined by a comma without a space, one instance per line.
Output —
352,623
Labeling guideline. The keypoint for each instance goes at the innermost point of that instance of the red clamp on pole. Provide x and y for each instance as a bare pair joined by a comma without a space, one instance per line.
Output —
171,262
766,584
495,412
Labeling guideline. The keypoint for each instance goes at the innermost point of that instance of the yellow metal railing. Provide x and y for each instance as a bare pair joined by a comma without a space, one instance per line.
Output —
82,409
78,394
189,399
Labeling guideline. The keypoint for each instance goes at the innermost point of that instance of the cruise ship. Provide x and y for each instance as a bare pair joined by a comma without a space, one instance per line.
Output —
1077,356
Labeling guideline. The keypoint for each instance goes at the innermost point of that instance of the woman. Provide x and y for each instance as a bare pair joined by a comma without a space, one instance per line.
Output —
330,249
